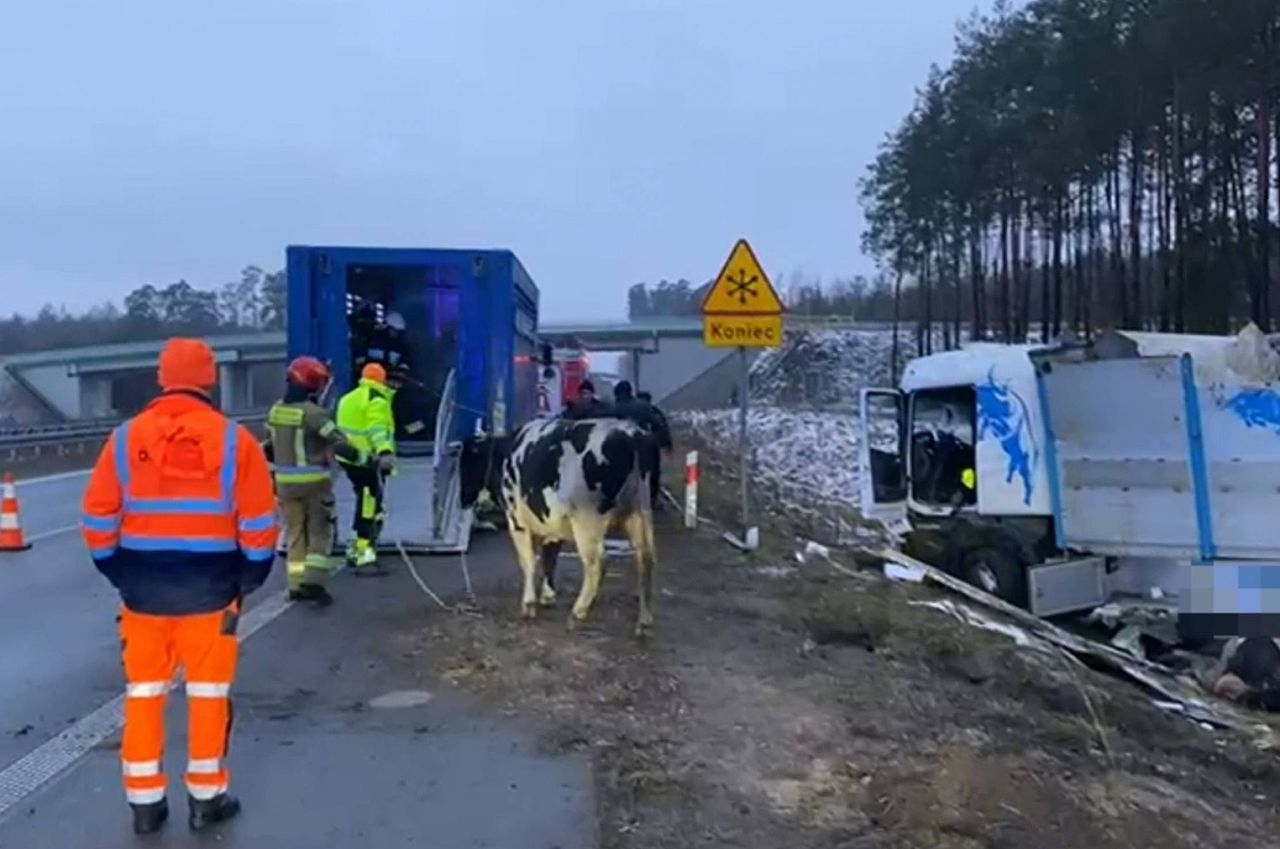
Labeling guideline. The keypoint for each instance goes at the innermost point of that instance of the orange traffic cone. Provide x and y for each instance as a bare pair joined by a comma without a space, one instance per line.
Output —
11,538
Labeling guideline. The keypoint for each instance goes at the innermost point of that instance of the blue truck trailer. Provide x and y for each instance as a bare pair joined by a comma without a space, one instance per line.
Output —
469,349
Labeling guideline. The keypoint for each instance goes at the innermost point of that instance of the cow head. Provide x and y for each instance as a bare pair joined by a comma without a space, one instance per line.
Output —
480,467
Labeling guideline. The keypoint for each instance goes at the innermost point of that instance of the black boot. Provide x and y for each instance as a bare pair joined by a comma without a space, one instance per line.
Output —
208,812
316,594
147,819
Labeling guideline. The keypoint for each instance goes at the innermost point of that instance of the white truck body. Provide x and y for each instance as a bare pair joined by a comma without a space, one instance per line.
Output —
1152,453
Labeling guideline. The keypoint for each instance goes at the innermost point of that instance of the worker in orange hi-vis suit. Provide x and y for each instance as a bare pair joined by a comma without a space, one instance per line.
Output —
180,517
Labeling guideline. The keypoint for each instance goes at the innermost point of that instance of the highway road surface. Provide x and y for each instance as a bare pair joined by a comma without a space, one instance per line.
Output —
341,740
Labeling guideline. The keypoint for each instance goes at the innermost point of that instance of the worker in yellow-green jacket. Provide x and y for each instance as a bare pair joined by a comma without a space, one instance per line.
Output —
364,417
302,439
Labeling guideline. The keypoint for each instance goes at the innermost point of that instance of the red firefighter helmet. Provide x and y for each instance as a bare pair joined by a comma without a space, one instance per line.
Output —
309,373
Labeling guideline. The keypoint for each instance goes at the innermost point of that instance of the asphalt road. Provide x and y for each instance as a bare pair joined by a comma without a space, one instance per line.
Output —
328,750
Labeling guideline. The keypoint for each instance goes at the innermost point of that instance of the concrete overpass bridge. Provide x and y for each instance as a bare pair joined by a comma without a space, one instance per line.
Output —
665,356
109,381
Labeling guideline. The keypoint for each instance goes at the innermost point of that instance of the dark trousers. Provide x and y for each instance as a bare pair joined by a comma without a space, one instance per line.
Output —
651,462
367,515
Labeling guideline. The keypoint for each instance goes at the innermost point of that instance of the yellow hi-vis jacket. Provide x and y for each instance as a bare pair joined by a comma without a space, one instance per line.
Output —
364,416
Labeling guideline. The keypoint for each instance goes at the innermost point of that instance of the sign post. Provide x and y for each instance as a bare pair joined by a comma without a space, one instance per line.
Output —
742,310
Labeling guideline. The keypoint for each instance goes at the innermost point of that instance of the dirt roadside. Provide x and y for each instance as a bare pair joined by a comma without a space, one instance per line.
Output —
785,705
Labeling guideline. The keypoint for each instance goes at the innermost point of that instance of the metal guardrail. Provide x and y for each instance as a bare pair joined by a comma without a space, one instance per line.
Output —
77,426
80,431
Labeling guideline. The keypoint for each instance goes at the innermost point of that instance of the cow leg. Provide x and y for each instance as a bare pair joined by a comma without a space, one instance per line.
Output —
588,536
640,532
527,556
550,553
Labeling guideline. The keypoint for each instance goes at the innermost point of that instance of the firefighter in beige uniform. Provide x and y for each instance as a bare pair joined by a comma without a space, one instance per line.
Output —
301,441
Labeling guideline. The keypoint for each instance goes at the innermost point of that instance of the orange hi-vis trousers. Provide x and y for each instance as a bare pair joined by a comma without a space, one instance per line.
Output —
205,645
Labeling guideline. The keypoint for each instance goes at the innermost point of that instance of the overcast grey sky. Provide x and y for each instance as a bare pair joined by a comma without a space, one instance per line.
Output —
605,141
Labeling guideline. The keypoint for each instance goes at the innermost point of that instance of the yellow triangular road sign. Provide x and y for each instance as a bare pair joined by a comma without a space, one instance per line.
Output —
742,287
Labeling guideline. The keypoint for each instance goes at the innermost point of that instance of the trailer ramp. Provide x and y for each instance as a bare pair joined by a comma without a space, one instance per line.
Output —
434,521
423,498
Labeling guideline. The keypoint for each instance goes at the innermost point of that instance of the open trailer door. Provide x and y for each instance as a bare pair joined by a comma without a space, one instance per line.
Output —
466,355
1120,456
881,456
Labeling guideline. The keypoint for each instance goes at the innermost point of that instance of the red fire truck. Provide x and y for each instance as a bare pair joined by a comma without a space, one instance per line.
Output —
563,370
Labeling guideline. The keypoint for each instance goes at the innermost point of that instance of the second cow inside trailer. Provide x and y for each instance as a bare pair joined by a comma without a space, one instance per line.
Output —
469,348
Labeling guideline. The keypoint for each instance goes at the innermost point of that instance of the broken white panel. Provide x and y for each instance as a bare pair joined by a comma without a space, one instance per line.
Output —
906,574
970,616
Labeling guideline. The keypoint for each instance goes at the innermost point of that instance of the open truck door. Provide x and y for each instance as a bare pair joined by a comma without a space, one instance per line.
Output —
882,456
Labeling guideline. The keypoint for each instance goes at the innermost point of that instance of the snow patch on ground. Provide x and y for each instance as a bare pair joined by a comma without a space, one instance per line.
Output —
805,452
827,368
803,427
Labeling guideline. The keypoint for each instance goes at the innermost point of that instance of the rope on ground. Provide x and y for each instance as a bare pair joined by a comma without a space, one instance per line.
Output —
466,578
670,499
472,606
408,561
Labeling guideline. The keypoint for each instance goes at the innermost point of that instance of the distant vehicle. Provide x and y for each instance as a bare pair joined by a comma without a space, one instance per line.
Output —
1057,477
561,372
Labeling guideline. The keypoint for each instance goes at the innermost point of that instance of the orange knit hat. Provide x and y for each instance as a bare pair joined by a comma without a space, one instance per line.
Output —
374,372
187,364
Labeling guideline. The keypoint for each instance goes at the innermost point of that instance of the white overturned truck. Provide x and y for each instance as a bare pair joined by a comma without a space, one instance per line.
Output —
1059,477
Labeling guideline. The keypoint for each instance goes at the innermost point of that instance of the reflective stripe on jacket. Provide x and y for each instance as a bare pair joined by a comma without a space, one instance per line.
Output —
179,513
301,436
364,415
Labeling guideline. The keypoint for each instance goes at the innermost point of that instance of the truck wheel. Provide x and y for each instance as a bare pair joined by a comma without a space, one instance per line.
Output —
998,572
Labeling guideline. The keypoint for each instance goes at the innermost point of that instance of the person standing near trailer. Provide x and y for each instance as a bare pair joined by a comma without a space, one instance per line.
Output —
301,440
588,405
180,517
387,346
665,443
362,324
660,418
364,416
626,405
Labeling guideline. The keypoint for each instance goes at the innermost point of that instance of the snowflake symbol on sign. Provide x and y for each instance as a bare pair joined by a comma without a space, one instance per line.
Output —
741,286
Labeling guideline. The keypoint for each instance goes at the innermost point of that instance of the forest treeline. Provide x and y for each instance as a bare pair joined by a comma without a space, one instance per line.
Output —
1088,163
254,302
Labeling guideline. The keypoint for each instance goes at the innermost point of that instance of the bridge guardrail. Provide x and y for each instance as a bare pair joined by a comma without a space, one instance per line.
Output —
28,437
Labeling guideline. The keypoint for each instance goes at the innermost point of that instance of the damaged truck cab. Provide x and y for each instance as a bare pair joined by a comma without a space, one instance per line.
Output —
1058,477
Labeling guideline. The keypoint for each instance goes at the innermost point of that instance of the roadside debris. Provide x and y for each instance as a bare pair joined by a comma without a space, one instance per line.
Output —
1174,692
1133,619
907,574
976,619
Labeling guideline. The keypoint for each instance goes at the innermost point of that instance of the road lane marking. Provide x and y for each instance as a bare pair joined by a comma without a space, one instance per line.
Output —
66,529
49,760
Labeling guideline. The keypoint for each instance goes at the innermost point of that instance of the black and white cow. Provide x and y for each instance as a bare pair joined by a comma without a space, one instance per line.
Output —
560,481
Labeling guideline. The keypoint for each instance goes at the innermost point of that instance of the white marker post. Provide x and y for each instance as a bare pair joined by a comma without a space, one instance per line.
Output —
691,490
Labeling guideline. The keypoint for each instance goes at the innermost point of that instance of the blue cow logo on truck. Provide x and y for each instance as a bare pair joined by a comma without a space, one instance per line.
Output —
1005,416
1256,408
